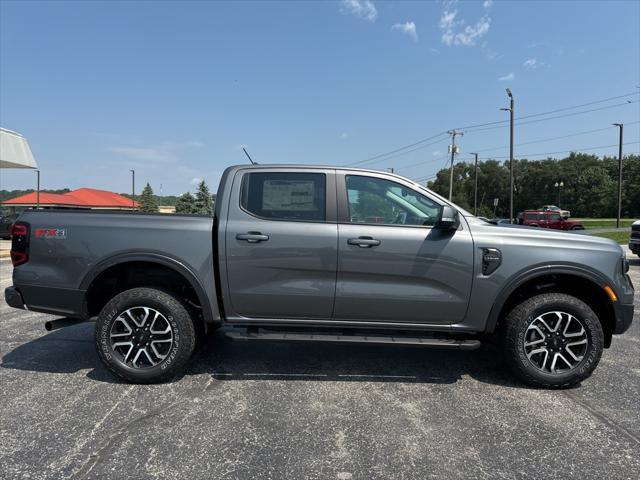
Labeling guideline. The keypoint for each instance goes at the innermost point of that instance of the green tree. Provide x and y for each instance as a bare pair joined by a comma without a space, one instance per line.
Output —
147,200
203,200
186,203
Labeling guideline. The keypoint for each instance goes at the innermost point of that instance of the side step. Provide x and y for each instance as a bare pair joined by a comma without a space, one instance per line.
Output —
443,342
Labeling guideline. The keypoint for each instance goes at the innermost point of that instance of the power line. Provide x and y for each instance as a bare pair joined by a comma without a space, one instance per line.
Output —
542,140
501,124
408,151
552,111
557,116
524,155
366,160
422,162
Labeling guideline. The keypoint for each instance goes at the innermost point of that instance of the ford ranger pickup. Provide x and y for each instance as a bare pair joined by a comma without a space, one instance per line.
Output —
329,254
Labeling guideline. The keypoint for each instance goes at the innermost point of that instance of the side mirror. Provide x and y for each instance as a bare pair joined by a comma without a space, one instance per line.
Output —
449,219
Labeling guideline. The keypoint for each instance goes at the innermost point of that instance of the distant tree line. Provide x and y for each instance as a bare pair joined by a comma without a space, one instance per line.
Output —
201,203
589,185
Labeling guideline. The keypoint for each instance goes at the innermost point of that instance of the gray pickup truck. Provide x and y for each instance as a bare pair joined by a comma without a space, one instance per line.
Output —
312,253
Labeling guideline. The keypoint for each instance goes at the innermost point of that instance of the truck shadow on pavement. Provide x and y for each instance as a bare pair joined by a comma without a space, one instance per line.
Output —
71,350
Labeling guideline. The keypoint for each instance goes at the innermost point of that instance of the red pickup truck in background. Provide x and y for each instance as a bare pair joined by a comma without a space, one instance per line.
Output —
548,219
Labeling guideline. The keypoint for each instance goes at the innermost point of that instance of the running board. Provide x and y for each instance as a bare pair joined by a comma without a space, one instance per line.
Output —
452,343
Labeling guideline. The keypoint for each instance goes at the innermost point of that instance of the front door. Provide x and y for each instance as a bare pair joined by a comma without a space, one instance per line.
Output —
393,266
280,245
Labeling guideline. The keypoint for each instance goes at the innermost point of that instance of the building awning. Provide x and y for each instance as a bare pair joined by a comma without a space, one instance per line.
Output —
15,151
81,198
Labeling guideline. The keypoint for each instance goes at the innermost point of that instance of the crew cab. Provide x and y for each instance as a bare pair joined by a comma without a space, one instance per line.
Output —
554,208
549,219
321,253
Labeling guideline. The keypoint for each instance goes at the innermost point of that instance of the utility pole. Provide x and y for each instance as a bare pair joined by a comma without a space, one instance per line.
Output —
510,110
38,190
133,189
621,126
475,188
454,150
390,169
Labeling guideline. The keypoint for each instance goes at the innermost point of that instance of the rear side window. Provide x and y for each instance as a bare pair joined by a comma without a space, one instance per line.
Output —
285,195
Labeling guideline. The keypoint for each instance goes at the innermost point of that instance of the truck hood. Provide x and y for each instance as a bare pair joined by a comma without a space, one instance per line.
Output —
552,238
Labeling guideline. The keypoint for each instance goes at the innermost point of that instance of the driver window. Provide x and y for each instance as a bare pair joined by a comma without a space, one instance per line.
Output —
380,201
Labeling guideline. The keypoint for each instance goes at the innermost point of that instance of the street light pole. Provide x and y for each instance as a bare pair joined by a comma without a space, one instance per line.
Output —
475,188
621,125
511,112
559,185
453,134
38,190
133,189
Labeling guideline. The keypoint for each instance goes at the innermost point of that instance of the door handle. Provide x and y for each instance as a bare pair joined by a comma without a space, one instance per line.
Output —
252,237
364,242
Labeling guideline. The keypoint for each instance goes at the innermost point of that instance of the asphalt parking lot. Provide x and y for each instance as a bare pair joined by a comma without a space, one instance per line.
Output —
266,410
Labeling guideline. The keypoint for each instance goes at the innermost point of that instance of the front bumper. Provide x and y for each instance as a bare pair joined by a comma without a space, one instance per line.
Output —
624,317
13,297
634,246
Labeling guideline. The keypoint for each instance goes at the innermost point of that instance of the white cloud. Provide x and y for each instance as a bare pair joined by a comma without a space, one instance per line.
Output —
408,28
344,135
456,33
509,76
532,64
360,8
195,180
487,3
164,153
436,153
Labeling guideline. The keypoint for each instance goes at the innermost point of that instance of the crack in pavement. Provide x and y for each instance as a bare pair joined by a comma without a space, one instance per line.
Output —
100,455
602,416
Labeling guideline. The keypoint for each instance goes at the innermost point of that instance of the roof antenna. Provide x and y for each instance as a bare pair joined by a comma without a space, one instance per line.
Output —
248,156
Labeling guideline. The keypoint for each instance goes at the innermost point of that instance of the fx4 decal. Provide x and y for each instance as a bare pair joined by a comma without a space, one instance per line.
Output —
51,233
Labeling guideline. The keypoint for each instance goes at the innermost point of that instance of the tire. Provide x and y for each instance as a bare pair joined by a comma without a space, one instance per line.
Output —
142,346
525,351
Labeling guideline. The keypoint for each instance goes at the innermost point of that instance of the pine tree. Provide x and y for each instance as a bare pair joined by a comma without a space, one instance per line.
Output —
204,201
148,202
186,204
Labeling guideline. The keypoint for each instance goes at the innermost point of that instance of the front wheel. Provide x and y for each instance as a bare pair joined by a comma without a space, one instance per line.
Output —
553,340
145,335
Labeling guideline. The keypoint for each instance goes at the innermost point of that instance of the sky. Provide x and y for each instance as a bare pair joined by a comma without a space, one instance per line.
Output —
175,89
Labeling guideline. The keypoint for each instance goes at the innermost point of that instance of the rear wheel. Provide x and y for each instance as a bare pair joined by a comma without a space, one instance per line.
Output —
553,340
145,335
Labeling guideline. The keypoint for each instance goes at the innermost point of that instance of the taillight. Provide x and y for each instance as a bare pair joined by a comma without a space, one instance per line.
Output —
19,243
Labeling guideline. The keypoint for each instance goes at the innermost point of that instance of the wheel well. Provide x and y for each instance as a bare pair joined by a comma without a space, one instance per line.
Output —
123,276
584,289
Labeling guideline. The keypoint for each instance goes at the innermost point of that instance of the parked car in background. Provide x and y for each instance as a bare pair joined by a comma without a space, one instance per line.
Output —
5,226
503,221
549,219
553,208
634,240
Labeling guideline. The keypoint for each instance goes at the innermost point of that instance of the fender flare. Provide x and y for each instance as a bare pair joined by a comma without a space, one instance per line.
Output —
160,259
522,277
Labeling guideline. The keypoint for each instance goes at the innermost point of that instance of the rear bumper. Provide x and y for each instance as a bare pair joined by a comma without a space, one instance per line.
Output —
624,317
57,301
13,297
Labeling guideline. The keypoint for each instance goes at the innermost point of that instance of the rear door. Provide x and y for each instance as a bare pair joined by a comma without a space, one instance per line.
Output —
394,267
554,220
280,244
